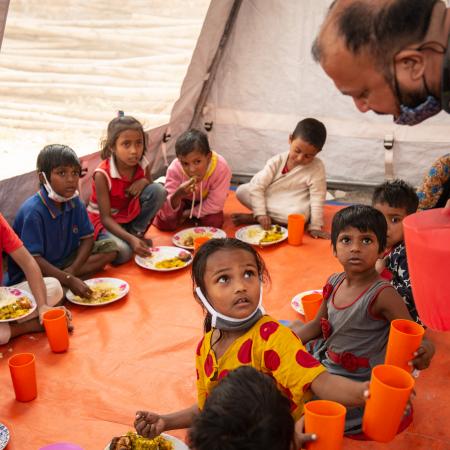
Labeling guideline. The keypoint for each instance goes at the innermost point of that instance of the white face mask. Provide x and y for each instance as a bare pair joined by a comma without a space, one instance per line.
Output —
54,195
227,323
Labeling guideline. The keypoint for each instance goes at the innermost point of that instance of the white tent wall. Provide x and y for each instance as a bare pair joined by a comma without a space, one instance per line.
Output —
267,81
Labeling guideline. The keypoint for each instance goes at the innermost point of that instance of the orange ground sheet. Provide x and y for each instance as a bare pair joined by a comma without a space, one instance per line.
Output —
138,353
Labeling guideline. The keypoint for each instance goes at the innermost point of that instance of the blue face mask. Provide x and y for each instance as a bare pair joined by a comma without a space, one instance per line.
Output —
412,116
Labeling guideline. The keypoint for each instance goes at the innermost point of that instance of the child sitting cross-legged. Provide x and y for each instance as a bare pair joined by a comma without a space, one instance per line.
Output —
292,182
228,275
55,228
354,318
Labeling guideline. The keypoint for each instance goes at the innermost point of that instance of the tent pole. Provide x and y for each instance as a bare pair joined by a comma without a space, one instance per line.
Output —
210,75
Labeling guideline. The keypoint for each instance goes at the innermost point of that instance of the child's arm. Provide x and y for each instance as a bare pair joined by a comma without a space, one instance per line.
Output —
104,206
312,329
83,253
149,424
390,306
340,389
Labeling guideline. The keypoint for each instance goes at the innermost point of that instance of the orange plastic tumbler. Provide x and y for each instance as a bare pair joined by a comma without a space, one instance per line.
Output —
55,324
23,375
404,339
390,388
326,419
311,304
296,226
199,241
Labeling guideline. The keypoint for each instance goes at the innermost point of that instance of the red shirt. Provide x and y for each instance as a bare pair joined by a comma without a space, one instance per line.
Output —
9,241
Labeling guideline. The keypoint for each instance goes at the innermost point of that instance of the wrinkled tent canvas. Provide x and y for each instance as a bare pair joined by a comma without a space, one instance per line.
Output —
265,81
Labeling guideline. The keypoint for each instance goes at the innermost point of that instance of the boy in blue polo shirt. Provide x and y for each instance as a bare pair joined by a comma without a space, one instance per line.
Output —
54,226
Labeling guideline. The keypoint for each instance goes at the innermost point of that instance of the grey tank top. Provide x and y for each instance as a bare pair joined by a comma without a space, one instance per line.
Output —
355,330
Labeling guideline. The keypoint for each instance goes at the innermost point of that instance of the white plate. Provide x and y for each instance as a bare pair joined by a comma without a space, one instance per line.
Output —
121,286
252,234
160,254
179,238
296,302
14,292
4,436
178,445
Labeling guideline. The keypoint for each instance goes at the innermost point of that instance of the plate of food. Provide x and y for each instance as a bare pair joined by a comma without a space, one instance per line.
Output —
132,441
165,259
15,304
4,436
257,235
296,301
104,291
185,238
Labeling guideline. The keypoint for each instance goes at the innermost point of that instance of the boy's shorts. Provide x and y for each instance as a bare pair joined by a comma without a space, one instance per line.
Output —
103,246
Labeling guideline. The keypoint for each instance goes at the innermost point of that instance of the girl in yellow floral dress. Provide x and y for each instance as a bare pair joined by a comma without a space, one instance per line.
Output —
228,275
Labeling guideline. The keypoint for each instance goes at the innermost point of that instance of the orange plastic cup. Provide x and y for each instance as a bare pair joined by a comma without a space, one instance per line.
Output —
311,304
296,227
55,324
199,241
327,420
404,339
23,375
390,388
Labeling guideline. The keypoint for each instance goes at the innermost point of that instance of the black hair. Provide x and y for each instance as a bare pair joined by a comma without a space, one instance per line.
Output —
312,131
362,217
384,28
190,141
245,411
397,194
209,248
115,127
56,155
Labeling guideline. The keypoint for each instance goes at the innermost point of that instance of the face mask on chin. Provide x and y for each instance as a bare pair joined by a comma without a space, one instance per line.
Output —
54,195
412,116
227,323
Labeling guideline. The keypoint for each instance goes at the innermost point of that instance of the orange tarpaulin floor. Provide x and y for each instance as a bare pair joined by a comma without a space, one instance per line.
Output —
138,353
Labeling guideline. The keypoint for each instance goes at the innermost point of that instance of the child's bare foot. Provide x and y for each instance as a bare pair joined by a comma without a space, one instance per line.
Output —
243,219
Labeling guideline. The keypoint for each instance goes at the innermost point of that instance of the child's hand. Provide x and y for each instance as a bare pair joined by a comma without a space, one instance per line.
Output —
423,355
300,438
78,287
186,188
140,247
149,424
137,187
319,234
264,221
44,308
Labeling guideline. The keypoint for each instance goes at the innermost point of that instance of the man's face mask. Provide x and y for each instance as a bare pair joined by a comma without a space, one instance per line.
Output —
420,109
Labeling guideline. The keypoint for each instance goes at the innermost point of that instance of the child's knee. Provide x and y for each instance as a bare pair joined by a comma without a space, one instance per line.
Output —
124,253
54,291
154,192
5,333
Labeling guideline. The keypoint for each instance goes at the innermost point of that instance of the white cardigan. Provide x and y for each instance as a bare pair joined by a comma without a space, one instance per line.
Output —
302,190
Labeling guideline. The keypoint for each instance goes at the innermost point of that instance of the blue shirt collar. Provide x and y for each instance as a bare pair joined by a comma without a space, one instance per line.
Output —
51,204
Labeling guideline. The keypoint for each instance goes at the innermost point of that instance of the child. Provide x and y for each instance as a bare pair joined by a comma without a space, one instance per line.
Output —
54,226
228,274
396,200
358,305
245,410
291,182
47,292
197,184
124,200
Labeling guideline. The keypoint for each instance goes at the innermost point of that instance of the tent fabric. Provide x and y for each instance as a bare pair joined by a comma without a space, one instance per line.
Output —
138,353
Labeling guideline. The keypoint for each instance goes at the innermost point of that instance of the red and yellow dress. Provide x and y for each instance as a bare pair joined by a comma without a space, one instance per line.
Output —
270,348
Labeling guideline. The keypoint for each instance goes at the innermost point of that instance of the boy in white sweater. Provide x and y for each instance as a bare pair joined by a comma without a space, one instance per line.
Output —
293,182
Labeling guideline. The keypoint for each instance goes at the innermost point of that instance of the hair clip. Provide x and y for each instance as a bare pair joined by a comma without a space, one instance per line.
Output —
120,113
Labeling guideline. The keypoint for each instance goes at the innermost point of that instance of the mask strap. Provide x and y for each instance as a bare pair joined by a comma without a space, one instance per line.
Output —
215,314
